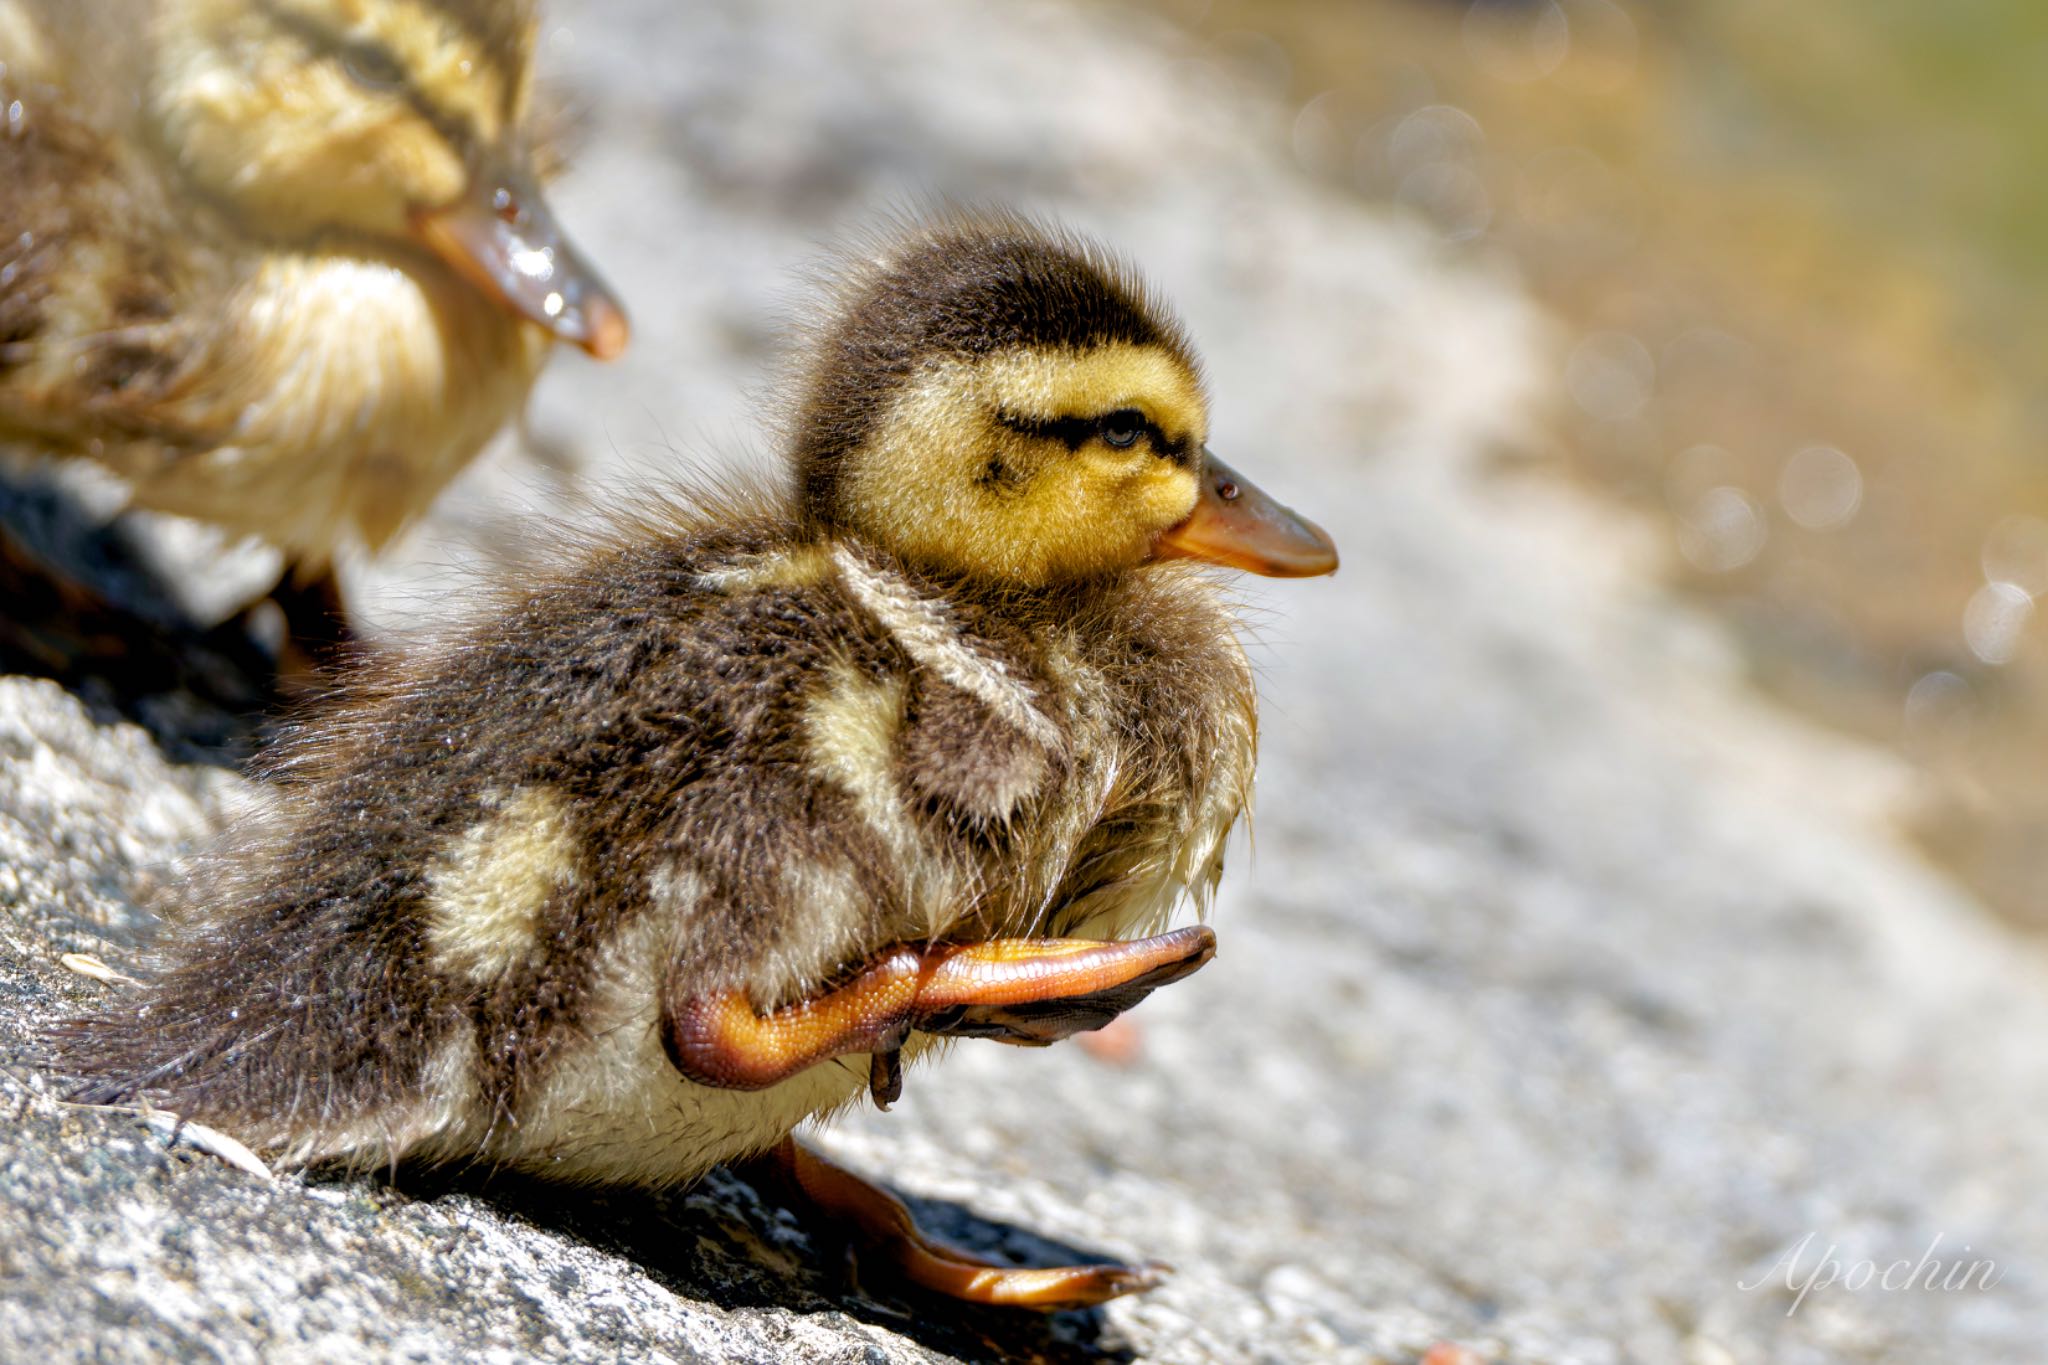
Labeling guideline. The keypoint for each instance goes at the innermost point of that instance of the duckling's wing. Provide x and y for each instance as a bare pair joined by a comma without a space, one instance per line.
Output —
962,757
94,262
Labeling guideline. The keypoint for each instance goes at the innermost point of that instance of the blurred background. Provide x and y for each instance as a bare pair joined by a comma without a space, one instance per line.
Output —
1797,255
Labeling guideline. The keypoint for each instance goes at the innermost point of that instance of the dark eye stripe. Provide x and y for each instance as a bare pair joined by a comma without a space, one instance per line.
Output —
1075,432
323,42
1177,451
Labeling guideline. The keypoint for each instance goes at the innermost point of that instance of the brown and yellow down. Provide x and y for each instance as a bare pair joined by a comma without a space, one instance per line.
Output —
748,745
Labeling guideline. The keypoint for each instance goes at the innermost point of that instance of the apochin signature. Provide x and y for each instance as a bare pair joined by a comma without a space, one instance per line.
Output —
1932,1272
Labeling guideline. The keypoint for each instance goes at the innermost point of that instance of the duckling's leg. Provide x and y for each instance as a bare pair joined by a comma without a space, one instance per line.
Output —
317,634
1025,991
881,1226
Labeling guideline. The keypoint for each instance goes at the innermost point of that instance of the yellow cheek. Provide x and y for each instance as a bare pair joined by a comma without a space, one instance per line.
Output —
920,487
1113,512
419,164
1163,495
1077,518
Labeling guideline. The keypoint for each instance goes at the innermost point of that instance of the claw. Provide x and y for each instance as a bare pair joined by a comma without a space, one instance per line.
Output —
885,1077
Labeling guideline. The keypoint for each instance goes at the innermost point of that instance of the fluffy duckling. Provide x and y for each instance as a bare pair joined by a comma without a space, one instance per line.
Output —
701,834
281,264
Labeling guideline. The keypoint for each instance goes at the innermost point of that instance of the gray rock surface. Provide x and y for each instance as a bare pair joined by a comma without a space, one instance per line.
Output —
1567,988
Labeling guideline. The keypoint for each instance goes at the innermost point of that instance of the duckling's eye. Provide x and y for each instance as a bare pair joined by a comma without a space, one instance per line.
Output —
1122,429
371,67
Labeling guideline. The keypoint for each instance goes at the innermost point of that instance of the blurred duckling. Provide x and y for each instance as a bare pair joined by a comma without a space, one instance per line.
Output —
283,265
706,831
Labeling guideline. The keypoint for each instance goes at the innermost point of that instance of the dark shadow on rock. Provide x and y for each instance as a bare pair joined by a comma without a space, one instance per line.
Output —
724,1243
81,605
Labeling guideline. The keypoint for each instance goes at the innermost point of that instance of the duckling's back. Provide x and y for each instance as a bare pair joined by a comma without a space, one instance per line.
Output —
84,275
697,761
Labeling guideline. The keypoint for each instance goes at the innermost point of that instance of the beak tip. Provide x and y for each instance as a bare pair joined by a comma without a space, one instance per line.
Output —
608,332
486,248
1313,556
1326,562
1316,566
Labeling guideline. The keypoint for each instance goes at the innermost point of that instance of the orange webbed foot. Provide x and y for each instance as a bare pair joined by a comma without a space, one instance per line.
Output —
1029,992
882,1230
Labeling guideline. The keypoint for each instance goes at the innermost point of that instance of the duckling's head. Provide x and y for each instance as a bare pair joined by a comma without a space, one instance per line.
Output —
1003,401
393,120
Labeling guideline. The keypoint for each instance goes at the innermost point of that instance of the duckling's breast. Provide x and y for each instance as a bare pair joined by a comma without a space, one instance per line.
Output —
1160,695
1083,755
341,393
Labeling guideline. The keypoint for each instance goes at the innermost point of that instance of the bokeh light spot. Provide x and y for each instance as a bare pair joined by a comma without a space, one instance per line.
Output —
1940,708
1722,531
1995,620
1821,488
1433,134
2016,552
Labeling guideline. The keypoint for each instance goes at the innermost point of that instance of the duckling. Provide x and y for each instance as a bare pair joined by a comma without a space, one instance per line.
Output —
710,829
281,264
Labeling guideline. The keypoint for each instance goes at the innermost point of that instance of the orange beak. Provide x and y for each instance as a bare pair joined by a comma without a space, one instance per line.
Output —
1237,525
503,238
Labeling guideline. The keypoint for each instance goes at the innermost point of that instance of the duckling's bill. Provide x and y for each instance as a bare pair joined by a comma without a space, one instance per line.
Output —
1239,525
504,238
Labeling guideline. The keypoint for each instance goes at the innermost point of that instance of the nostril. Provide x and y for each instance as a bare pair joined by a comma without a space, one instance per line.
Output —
1227,490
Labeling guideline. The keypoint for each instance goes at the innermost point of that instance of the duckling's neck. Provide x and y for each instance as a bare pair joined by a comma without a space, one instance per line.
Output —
1045,602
